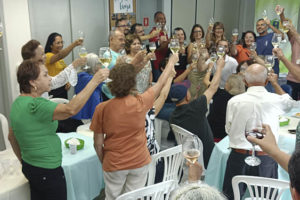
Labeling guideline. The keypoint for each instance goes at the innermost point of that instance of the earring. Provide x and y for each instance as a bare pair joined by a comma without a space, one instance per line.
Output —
35,88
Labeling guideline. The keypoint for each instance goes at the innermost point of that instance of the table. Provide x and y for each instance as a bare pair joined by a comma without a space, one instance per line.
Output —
215,171
83,172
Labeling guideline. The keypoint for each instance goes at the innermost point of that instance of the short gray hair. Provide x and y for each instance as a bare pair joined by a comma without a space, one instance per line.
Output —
196,192
256,73
92,61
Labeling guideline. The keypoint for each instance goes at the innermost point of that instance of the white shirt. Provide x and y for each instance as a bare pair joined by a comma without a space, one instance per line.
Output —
229,68
256,101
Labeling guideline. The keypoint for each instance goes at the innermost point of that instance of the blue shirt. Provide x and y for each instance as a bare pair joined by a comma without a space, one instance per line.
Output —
88,109
265,47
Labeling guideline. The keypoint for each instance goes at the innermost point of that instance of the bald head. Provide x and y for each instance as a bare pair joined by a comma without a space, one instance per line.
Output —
256,75
116,40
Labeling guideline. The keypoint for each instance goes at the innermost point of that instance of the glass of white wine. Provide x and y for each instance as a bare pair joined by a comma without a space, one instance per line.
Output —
83,53
278,9
265,15
152,47
269,62
221,51
175,47
284,26
211,22
81,35
190,149
105,57
213,57
253,46
1,29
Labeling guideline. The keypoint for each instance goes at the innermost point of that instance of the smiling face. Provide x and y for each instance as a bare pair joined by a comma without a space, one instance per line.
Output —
261,27
197,33
219,31
135,46
117,42
160,18
57,45
249,39
139,30
180,36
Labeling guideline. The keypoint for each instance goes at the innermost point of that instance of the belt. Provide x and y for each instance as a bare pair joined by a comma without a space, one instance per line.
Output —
249,152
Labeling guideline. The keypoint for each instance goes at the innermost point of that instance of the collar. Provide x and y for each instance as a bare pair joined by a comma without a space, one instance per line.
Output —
257,89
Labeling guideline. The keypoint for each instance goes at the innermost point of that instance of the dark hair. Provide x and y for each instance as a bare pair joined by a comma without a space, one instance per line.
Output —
221,25
249,62
123,79
27,71
129,40
157,13
119,20
180,29
294,170
261,19
29,48
244,35
133,27
192,32
50,40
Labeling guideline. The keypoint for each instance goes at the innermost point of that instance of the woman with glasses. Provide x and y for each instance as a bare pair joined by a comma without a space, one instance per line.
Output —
54,60
214,34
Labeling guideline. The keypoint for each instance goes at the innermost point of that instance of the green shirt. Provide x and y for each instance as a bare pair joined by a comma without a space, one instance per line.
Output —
35,131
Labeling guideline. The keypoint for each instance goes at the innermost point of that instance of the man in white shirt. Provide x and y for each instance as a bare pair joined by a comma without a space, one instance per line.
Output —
230,64
257,101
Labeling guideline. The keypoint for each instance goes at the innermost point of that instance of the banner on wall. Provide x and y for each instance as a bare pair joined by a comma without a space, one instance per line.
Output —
291,8
123,6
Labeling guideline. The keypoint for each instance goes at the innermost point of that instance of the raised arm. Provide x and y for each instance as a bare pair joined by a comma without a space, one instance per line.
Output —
214,85
64,111
186,72
275,30
166,73
159,102
272,77
14,144
206,80
63,53
153,34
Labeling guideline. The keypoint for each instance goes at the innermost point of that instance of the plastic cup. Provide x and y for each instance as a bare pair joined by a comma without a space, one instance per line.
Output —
73,148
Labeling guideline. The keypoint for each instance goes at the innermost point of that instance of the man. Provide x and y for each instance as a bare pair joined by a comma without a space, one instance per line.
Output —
230,64
291,164
264,40
191,115
139,30
123,25
257,101
295,46
161,43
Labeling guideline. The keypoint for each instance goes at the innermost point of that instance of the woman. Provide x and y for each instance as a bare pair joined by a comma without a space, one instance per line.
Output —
34,50
196,38
54,60
180,67
214,34
242,52
32,135
125,156
144,76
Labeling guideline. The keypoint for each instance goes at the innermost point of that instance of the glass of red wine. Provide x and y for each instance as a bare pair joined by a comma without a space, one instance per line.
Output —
253,128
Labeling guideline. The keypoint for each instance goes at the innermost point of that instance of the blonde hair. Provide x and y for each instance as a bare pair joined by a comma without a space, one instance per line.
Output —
93,62
235,84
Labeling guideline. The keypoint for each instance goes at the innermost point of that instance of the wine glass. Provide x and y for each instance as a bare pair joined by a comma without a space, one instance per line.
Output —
1,29
174,46
269,62
253,46
83,53
284,26
221,51
190,149
165,29
253,128
81,35
105,57
211,21
152,47
278,9
264,15
202,43
235,34
213,57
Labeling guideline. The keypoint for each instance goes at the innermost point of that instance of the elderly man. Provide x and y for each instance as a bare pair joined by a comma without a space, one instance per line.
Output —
123,25
264,40
257,101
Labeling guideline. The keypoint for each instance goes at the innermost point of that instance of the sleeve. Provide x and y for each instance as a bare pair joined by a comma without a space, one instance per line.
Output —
97,120
48,58
42,108
200,105
148,98
69,74
239,48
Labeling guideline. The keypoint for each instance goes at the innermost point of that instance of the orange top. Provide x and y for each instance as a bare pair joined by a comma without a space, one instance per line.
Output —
123,122
242,54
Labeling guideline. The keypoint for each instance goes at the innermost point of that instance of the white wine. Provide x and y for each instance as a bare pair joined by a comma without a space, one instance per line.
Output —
235,34
152,49
220,54
82,55
275,44
268,66
191,155
105,61
174,49
285,29
213,59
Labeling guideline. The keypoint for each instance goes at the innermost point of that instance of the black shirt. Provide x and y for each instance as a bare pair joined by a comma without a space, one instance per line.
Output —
192,118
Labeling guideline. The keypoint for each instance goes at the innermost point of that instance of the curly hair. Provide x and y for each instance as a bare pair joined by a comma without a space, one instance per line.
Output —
129,40
27,71
28,49
123,79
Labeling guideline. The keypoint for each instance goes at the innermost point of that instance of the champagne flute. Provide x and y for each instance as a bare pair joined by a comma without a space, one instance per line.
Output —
221,51
213,57
83,53
265,15
235,34
105,57
165,29
190,149
81,35
269,62
211,22
252,46
253,128
1,29
278,9
174,46
152,47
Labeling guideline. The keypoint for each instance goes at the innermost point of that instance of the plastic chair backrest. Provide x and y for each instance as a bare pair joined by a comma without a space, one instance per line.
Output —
59,100
268,188
154,192
4,125
181,134
172,158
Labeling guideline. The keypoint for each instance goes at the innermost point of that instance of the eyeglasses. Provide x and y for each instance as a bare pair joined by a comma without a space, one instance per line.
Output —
57,43
124,25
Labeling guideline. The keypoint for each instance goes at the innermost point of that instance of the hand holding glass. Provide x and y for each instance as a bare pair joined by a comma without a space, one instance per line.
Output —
221,51
190,149
83,53
152,47
105,56
269,62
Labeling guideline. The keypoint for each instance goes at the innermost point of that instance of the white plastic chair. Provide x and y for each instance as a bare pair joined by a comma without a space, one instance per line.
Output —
181,134
172,158
154,192
261,186
4,125
59,100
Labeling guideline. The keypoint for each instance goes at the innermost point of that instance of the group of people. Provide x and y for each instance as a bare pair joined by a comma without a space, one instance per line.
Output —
181,87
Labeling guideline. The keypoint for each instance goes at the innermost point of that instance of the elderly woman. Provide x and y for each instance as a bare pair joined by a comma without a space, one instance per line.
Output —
54,60
32,134
214,34
125,156
144,76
